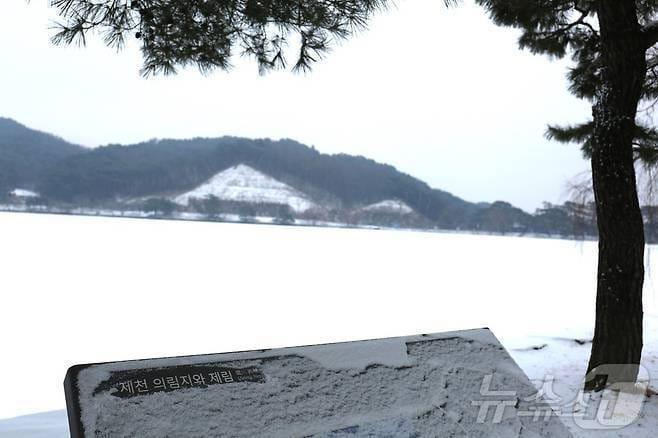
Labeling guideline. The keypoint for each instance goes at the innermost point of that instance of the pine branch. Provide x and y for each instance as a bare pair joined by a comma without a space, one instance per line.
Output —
571,133
206,33
645,143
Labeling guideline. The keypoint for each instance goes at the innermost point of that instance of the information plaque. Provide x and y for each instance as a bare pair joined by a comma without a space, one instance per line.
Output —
461,384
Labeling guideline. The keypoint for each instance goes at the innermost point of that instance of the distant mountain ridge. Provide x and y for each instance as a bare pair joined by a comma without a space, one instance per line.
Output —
26,154
163,167
346,188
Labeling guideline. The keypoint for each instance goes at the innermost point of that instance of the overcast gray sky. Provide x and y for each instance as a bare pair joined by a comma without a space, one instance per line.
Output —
441,94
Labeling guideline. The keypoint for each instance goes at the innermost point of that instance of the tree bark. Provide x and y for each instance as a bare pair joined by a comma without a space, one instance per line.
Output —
619,313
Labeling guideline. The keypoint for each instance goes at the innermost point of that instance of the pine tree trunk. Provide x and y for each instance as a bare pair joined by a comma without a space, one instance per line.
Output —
618,332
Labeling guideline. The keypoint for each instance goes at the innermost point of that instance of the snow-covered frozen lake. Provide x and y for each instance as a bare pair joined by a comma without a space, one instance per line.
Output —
84,289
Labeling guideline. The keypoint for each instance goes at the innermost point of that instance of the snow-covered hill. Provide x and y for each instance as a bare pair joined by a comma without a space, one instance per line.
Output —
246,184
389,206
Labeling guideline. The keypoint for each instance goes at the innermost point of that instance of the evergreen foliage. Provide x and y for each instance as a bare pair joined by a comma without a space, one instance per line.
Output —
207,33
159,206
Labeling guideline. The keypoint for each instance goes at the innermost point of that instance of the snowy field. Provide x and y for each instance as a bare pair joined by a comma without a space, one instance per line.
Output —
83,289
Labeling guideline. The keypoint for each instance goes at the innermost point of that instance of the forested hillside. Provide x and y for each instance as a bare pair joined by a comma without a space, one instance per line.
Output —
25,154
167,166
341,188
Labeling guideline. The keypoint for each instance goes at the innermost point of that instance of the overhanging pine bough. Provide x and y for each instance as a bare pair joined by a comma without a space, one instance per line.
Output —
610,41
206,33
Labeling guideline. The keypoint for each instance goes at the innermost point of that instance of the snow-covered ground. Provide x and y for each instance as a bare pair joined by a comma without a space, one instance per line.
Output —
24,193
43,425
246,184
390,206
85,289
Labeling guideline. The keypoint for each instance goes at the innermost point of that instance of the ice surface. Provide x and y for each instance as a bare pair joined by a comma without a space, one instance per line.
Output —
91,289
46,425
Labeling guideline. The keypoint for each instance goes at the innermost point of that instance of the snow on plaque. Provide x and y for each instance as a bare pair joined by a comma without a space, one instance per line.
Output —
461,384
